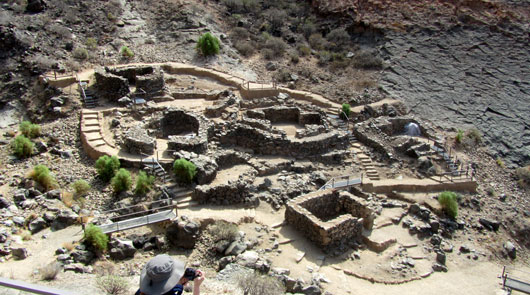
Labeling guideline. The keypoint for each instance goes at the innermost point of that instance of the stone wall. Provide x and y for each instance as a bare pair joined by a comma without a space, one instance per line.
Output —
327,217
111,86
174,125
223,194
137,141
153,84
131,72
267,143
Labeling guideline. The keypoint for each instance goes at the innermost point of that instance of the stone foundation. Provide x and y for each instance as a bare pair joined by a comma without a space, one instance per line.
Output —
111,86
137,141
185,131
329,217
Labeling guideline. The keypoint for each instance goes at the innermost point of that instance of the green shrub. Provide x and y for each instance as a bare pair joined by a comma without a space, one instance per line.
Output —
95,237
308,29
22,147
106,166
367,59
29,130
184,170
222,230
459,136
113,285
294,57
144,183
81,187
449,203
345,111
41,174
126,52
324,57
276,45
256,284
91,43
121,181
276,19
500,162
268,54
208,44
80,53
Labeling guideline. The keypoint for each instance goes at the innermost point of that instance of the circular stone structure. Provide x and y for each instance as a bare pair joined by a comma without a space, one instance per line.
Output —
185,131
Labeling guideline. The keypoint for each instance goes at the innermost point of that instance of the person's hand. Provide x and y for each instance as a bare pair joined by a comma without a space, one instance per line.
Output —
198,279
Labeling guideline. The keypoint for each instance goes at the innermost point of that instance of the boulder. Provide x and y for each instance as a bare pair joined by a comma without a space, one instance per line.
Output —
19,253
121,249
35,6
439,267
37,225
82,256
206,169
312,290
489,224
78,268
248,259
235,248
54,194
64,219
4,203
510,249
183,233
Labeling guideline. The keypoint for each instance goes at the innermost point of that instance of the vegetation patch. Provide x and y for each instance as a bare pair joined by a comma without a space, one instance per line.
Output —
41,174
222,230
523,176
113,285
449,203
121,181
208,44
126,52
81,187
184,170
107,166
22,147
29,129
345,111
257,284
144,183
95,237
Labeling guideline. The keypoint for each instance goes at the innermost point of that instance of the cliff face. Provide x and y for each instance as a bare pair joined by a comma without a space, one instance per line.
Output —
461,64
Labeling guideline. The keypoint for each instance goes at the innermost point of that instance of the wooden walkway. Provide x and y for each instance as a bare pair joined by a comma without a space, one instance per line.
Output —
138,221
341,182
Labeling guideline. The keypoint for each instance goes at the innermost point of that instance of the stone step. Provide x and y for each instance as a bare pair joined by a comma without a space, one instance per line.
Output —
90,117
87,112
91,129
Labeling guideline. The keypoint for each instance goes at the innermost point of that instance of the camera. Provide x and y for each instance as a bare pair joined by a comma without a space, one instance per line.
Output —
190,273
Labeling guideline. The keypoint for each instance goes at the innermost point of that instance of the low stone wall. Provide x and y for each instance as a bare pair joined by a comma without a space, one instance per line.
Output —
325,217
177,121
153,84
266,143
223,194
131,72
457,185
137,141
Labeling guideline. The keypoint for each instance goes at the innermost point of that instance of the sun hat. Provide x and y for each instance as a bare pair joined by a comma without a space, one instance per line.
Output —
160,274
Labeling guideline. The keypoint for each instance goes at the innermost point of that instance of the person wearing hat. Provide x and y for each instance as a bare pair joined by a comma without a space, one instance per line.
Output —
164,275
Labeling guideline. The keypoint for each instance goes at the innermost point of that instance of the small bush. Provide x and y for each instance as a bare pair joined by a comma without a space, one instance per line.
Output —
41,174
500,162
324,57
121,181
113,285
304,50
95,237
208,44
345,111
126,52
144,183
523,175
184,170
268,54
22,147
80,187
80,53
246,48
308,29
239,34
222,230
294,57
241,6
317,42
276,45
106,166
339,38
276,19
256,284
367,60
474,136
50,271
449,203
459,136
91,43
29,130
67,198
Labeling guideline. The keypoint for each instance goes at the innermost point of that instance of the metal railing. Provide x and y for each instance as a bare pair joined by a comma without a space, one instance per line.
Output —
32,288
342,181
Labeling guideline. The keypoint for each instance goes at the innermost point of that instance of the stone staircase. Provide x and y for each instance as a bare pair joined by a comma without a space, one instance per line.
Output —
366,162
92,129
88,96
156,169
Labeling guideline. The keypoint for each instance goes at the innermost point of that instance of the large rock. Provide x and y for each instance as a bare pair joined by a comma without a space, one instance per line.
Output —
121,249
510,249
489,224
206,169
235,248
36,6
4,203
65,218
37,225
183,233
19,253
82,256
